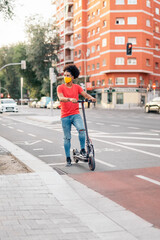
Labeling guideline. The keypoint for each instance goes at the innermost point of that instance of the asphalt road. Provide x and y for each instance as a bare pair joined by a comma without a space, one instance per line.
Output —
127,147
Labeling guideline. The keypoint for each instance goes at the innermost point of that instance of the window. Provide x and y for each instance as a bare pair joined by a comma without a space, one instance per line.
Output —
79,68
148,3
132,1
120,21
132,20
109,97
148,23
120,81
88,68
79,3
98,47
119,40
157,29
79,20
88,17
98,29
109,81
104,42
104,23
93,32
75,54
103,82
97,65
119,98
132,40
147,42
131,80
104,62
104,4
119,61
93,49
89,34
157,46
119,2
98,12
93,67
131,61
156,65
93,83
147,62
98,83
157,11
93,14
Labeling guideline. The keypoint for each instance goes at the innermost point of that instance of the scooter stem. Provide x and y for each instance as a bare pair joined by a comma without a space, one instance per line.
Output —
85,123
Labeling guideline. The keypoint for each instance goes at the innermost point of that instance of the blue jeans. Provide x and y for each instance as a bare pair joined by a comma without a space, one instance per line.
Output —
67,122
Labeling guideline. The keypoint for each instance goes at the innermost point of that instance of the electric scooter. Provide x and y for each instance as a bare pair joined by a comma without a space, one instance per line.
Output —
90,155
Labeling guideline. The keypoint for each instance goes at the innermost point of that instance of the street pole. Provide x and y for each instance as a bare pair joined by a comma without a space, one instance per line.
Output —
52,77
85,71
21,90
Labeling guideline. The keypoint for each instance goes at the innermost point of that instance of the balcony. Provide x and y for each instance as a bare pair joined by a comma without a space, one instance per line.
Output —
69,44
68,30
69,2
68,16
69,58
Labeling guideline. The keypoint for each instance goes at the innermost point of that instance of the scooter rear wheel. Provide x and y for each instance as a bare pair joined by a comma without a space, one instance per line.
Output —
91,163
75,151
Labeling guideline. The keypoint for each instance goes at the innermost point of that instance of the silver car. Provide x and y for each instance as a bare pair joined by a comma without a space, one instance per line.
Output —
153,105
8,105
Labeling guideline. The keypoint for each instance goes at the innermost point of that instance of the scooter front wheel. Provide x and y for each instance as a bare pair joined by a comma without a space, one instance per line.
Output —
91,163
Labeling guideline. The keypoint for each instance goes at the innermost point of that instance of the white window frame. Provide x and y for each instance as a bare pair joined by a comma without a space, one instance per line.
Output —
119,61
120,21
104,62
148,23
132,21
93,49
131,81
120,2
104,42
131,61
120,81
148,3
120,40
157,11
147,42
132,2
132,40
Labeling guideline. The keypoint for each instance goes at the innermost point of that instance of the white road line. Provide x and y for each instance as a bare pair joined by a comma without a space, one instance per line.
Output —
19,130
46,140
134,128
158,131
51,155
148,179
54,164
115,125
144,133
100,124
133,138
37,149
140,144
10,127
129,148
32,135
3,124
105,163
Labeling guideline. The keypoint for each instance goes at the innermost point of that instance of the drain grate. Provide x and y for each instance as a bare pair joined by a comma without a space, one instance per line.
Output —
59,171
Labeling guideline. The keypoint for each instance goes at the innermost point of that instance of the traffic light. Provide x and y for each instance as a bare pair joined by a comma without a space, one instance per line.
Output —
129,49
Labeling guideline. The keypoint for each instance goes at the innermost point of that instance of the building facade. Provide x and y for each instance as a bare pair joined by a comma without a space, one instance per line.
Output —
94,35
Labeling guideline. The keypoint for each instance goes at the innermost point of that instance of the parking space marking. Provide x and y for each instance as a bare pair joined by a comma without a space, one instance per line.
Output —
115,125
133,128
105,163
100,124
51,155
140,144
19,130
37,149
46,140
10,127
148,179
32,135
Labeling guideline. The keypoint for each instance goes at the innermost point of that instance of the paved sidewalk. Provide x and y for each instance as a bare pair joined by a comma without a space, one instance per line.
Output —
45,205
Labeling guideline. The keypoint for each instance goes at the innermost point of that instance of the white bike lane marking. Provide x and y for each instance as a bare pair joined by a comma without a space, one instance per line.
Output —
148,179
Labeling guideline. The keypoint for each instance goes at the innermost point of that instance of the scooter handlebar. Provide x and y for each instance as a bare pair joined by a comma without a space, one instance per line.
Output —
84,100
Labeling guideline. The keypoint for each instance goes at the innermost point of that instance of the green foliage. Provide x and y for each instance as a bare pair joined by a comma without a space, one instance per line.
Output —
39,52
6,8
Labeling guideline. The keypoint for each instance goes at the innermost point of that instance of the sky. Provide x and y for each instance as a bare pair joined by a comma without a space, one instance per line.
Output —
12,31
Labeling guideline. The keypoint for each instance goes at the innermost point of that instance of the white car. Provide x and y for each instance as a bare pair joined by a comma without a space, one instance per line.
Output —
8,105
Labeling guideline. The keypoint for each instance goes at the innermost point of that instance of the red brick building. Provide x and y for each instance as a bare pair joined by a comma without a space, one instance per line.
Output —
94,36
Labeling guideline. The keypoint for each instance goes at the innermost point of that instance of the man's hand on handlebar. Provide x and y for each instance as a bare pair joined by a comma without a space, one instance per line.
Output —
73,100
92,99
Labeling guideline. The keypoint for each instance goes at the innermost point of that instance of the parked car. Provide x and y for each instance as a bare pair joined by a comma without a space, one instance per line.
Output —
57,105
44,101
33,104
153,105
8,105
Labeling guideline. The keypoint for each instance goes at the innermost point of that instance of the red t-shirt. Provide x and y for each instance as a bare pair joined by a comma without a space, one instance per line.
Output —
69,108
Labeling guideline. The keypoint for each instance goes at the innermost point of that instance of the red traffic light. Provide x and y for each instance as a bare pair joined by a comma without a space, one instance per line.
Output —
129,49
154,86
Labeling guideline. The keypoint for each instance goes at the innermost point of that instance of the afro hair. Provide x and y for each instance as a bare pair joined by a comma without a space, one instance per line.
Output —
72,69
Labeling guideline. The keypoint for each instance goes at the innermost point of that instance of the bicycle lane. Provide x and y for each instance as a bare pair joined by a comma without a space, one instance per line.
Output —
137,190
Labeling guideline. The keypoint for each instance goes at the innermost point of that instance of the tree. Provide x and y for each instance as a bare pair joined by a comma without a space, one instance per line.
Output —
6,8
41,50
